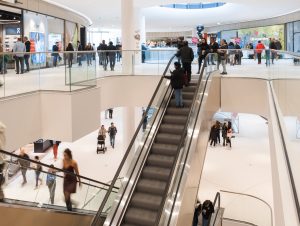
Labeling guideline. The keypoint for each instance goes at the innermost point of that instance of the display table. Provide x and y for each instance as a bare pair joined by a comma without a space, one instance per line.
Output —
41,146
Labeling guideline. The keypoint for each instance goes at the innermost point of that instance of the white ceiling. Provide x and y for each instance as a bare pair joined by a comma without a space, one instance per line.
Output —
107,14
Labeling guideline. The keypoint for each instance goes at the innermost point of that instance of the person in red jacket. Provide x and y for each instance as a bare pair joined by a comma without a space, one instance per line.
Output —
259,49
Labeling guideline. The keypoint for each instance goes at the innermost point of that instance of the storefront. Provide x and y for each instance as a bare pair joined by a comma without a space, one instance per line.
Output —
293,36
253,35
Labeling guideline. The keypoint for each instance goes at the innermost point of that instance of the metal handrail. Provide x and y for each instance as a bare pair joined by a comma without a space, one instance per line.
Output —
254,197
131,145
216,201
55,168
287,158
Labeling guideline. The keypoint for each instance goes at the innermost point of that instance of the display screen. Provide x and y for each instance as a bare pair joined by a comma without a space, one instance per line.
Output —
13,31
37,40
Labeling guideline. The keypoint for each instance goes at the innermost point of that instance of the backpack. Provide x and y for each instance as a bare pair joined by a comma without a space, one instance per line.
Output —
50,179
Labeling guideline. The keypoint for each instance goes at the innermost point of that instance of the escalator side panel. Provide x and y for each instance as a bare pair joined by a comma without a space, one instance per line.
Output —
16,215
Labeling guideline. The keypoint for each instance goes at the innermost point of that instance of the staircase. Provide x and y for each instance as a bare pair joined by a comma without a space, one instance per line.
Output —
151,188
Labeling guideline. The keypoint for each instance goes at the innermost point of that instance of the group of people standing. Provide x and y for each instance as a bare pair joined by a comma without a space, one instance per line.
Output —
109,54
215,133
20,50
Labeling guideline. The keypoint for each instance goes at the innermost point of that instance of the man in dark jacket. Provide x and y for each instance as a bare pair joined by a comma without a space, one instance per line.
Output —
186,54
79,49
177,82
203,50
103,60
273,48
214,46
27,56
55,49
112,55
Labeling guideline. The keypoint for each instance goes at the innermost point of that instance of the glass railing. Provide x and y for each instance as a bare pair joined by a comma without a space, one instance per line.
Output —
35,184
137,151
246,208
74,70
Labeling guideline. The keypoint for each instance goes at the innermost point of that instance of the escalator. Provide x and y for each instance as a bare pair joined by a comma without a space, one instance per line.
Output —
156,160
152,185
34,207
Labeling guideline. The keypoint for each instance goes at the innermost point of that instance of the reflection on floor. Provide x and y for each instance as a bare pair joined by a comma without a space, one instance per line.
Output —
246,168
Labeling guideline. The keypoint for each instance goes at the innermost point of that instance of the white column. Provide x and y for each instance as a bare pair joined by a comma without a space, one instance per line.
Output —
127,9
133,34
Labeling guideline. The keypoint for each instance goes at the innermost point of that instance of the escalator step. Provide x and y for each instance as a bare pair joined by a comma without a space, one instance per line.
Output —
186,103
154,187
140,217
157,173
164,149
175,119
171,128
166,138
146,201
160,160
178,111
188,95
191,89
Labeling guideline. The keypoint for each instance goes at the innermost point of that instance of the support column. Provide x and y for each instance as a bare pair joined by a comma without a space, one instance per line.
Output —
133,35
129,125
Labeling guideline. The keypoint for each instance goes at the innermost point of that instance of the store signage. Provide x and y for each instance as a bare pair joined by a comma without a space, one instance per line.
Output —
13,31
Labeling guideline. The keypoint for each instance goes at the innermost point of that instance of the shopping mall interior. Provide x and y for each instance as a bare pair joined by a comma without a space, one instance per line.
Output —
149,113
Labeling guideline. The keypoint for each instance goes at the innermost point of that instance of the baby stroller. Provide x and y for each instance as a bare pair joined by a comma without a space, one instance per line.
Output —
101,144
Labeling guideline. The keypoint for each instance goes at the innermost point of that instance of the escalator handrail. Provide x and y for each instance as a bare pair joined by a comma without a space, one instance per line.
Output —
216,201
56,169
286,155
181,143
133,139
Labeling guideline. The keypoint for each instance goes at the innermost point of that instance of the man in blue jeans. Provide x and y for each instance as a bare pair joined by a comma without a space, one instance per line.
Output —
112,131
177,82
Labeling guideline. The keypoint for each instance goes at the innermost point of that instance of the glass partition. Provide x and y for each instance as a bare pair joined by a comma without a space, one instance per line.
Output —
32,183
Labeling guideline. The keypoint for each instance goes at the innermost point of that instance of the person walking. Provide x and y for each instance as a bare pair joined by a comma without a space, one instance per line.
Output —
27,56
89,55
186,55
259,49
144,50
103,60
112,55
207,211
70,48
238,54
203,50
224,133
24,164
38,169
55,145
177,82
3,61
19,49
273,49
197,213
229,135
55,54
102,136
110,113
223,55
51,182
214,135
112,131
214,46
145,120
119,52
71,169
79,55
231,53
